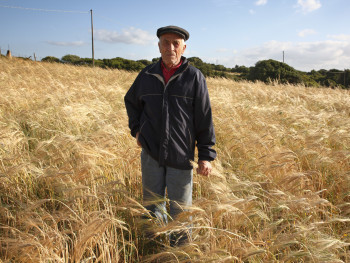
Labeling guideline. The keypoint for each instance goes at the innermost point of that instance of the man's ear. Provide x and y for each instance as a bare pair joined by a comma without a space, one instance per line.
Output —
159,46
183,51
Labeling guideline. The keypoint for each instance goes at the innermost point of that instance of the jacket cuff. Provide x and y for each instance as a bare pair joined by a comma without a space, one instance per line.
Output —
207,157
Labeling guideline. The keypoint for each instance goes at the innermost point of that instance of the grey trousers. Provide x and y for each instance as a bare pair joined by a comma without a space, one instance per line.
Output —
157,180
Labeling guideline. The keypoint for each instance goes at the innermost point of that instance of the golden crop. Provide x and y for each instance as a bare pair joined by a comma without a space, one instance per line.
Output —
70,181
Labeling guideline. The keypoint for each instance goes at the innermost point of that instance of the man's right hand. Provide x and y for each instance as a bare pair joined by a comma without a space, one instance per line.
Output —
204,168
137,139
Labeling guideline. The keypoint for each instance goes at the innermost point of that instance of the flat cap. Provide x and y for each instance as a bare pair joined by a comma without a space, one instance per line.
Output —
173,29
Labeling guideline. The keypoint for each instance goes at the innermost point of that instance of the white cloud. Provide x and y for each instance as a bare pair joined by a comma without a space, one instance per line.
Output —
301,55
67,44
127,36
341,37
252,12
307,6
306,32
261,2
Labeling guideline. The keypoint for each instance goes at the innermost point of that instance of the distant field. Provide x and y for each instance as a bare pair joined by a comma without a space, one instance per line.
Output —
70,181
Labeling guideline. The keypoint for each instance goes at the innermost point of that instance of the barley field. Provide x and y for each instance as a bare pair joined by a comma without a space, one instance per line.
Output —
70,181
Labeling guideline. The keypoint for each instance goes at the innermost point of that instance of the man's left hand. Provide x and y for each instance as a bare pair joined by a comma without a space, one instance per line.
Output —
204,168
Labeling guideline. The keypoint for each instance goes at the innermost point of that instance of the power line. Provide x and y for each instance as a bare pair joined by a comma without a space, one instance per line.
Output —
60,11
44,10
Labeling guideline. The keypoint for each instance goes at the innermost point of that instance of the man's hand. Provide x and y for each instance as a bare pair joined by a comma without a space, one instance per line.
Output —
204,168
137,139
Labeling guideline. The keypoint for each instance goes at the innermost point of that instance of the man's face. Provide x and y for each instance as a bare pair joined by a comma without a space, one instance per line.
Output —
171,47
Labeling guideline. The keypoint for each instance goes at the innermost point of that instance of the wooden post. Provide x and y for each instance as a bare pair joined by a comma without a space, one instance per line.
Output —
8,54
92,40
34,57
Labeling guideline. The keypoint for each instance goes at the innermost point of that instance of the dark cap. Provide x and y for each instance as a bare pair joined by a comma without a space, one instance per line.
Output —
173,29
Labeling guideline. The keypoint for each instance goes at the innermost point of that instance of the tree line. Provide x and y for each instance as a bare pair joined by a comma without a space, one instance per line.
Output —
265,70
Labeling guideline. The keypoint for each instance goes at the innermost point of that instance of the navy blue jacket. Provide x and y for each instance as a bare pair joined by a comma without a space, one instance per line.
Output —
171,118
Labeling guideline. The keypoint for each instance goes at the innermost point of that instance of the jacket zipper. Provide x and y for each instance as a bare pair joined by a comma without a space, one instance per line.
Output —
160,78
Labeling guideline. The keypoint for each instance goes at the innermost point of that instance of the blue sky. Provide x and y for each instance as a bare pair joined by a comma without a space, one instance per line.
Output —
314,34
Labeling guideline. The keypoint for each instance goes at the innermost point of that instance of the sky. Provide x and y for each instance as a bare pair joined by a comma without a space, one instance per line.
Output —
312,34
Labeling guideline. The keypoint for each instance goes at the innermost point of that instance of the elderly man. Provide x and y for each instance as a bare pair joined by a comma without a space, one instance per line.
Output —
169,114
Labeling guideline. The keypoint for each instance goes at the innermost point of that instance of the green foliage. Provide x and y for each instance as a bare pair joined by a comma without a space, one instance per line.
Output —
210,70
51,59
145,62
346,78
330,83
331,78
264,70
198,63
309,81
72,59
240,69
126,64
268,70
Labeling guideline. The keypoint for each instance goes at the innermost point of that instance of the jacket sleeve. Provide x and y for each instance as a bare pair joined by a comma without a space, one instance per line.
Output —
133,107
203,121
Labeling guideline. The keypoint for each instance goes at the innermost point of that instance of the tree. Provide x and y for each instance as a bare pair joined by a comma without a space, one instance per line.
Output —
219,67
267,70
72,59
332,77
240,69
50,59
145,62
330,83
346,77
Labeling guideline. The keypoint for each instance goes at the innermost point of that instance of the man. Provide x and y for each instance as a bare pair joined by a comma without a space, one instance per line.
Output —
169,112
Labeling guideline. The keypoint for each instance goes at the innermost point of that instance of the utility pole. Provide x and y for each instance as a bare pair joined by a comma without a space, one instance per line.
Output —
283,56
92,38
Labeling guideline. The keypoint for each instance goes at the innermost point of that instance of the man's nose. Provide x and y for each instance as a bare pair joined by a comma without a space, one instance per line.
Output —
171,47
